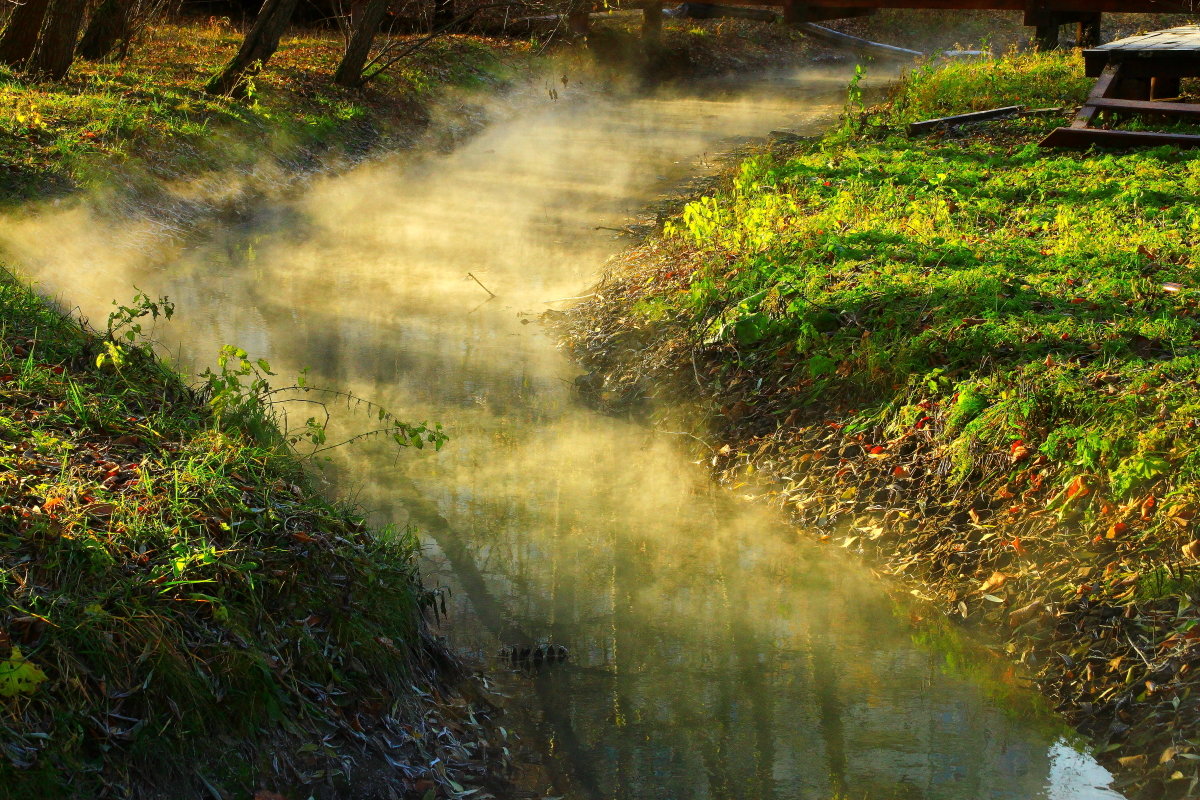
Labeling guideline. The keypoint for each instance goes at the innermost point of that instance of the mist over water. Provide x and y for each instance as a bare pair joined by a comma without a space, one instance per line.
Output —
713,653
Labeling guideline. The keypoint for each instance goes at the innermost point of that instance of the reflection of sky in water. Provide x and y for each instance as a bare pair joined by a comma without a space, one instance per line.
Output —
713,655
1069,768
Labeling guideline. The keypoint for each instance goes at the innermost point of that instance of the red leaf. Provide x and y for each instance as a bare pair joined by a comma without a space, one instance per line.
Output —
1078,488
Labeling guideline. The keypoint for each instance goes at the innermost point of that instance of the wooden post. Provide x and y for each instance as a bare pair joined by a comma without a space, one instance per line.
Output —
1164,88
1089,31
652,21
1133,89
1046,35
579,20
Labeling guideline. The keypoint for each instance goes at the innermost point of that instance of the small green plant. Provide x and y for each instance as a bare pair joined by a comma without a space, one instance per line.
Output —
124,330
239,392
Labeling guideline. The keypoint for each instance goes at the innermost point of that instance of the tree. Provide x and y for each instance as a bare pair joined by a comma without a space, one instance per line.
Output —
257,48
55,51
108,27
366,25
20,37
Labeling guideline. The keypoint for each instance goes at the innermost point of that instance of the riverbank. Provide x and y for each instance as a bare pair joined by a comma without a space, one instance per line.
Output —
966,357
183,612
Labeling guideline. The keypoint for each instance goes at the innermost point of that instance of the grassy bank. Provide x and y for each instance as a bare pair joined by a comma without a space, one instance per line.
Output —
182,612
106,118
972,357
146,119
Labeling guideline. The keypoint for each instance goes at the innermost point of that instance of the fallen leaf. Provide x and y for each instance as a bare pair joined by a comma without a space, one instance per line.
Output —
1116,530
1025,613
1148,506
1192,549
1078,488
995,581
18,675
102,510
1133,762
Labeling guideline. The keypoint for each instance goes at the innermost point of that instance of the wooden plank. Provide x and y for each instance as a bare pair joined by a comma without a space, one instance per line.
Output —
1083,138
1165,64
1103,88
1187,110
927,125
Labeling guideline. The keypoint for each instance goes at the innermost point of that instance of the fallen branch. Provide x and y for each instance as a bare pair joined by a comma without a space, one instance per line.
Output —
925,126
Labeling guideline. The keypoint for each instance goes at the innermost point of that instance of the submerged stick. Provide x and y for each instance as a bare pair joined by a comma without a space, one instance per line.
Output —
481,286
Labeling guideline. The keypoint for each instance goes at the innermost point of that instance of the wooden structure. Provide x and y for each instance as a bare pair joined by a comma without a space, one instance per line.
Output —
1138,77
1047,16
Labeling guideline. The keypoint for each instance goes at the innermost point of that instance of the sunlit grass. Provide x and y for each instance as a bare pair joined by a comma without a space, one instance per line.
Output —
76,130
175,580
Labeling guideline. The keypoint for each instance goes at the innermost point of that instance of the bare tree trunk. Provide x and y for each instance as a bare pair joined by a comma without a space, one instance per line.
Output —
108,26
366,25
257,48
56,48
20,37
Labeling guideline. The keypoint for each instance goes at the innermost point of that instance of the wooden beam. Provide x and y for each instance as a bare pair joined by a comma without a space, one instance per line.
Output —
725,9
962,119
1103,88
1187,110
797,11
1083,138
1068,6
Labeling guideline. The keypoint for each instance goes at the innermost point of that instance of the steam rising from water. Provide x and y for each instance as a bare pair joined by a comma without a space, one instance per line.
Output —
713,656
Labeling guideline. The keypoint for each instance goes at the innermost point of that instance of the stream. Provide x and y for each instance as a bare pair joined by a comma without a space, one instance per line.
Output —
714,653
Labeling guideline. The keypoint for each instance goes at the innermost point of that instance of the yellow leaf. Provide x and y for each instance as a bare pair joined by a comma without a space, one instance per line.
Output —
18,675
994,582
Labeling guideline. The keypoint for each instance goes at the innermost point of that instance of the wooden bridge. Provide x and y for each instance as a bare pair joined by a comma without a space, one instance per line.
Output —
1047,16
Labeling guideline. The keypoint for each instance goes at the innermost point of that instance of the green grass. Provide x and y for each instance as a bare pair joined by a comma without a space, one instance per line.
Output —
1026,295
171,586
84,130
